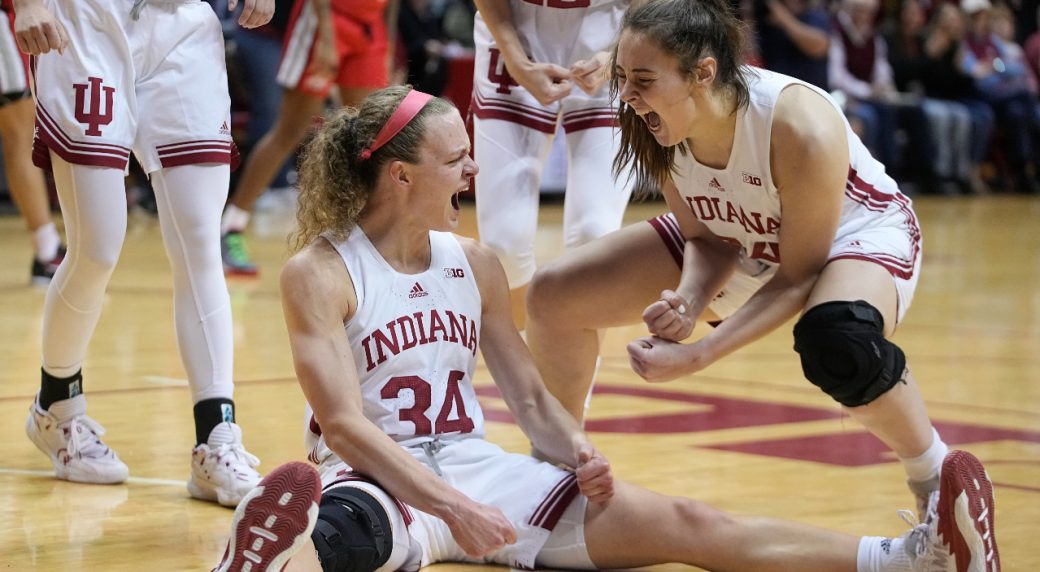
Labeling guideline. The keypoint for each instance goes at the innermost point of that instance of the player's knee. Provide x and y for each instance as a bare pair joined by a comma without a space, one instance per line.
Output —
547,292
844,352
353,532
696,514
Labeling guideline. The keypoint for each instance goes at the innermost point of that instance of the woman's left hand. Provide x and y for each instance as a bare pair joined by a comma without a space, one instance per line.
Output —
656,359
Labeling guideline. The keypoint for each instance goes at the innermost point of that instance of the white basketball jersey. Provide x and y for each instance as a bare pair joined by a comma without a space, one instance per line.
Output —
741,203
414,341
562,31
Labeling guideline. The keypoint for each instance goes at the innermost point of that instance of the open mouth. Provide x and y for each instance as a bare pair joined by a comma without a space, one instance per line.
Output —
653,121
455,203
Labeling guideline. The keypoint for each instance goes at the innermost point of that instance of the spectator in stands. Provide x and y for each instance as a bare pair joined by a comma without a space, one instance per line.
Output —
793,36
950,122
859,68
1004,84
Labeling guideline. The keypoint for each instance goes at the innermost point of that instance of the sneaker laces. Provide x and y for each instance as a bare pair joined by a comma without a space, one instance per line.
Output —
86,443
922,543
236,450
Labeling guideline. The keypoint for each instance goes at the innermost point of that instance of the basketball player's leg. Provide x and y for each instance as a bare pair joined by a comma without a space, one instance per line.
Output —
93,204
595,200
638,527
512,157
25,181
897,416
607,282
190,198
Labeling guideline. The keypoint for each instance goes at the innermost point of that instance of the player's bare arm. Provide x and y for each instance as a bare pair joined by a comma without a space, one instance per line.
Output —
810,164
547,82
36,30
708,262
317,297
552,430
255,13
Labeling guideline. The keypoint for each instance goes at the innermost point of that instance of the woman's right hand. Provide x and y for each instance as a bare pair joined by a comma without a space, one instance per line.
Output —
36,30
480,529
670,318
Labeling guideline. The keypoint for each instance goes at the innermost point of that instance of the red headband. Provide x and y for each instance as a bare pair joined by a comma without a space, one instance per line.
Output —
410,106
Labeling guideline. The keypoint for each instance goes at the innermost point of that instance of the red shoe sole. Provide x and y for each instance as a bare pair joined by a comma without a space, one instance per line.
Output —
966,513
274,520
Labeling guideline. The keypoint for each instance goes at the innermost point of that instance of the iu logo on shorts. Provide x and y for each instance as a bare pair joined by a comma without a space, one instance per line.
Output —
93,115
498,73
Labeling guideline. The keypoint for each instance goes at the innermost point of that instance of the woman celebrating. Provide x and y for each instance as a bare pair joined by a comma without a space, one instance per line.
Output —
777,208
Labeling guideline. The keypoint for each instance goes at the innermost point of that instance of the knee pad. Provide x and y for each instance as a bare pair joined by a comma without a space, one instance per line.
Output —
352,533
844,352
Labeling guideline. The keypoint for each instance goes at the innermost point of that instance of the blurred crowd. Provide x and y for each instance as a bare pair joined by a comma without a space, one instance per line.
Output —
943,92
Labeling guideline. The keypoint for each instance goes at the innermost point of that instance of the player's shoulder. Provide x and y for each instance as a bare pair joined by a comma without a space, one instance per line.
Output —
317,265
803,114
474,249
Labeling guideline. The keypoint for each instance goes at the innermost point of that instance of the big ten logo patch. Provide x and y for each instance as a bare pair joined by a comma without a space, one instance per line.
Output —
750,179
454,273
497,72
93,113
707,413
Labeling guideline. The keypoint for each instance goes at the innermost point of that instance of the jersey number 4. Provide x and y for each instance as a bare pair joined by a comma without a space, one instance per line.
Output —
423,392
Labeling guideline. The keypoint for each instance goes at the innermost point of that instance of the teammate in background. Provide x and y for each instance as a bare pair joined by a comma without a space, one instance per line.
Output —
539,65
385,310
329,43
25,182
732,148
147,77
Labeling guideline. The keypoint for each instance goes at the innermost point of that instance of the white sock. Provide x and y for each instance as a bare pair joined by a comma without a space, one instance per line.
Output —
926,466
46,242
879,554
234,220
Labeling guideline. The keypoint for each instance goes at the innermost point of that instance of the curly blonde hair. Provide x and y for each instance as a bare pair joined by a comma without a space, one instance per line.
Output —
335,182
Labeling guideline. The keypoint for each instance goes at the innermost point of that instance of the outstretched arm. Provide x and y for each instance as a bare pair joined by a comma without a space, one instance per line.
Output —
317,297
551,429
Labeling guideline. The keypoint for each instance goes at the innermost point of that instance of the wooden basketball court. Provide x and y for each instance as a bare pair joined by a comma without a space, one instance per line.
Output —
748,435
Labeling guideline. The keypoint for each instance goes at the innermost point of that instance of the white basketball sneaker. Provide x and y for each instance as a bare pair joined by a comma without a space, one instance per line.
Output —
221,468
274,521
73,443
927,495
924,550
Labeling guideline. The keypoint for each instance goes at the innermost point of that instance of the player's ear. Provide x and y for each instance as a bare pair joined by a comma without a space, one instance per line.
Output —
400,173
704,73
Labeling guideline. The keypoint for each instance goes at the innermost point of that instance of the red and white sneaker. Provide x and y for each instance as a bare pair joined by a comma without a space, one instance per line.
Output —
273,521
966,513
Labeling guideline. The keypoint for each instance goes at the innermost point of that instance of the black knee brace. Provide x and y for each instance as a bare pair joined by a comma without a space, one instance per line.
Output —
844,352
352,533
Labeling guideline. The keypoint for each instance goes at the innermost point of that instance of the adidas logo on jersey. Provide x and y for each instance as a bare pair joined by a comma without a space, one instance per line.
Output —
417,291
224,130
716,185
